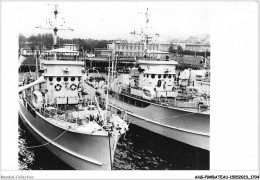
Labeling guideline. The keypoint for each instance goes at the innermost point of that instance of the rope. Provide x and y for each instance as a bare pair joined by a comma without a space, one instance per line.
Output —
29,147
124,137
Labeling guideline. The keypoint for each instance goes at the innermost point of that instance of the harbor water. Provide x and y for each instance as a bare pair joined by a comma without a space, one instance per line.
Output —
139,149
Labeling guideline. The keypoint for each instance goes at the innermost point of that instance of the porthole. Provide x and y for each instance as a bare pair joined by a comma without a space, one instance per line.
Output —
153,76
159,76
79,78
169,76
72,78
58,79
147,75
65,79
164,76
50,79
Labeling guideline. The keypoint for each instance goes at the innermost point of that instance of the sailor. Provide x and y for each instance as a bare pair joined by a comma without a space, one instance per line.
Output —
80,90
200,102
91,118
80,104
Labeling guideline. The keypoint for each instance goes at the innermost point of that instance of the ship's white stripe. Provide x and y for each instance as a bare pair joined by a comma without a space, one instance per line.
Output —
179,129
60,147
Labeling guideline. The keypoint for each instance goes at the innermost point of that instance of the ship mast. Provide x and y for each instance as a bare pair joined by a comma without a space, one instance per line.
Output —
146,38
144,34
54,27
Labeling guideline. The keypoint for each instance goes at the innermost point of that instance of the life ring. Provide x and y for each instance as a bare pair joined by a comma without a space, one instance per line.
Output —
73,87
37,99
57,87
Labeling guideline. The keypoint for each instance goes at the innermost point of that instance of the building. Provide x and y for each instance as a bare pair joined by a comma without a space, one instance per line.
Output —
179,43
198,47
29,49
124,49
73,47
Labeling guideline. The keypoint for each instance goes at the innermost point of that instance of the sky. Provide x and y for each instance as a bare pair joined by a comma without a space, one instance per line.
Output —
115,20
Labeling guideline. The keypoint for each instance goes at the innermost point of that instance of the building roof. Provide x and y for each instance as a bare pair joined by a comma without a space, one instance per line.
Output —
197,44
70,45
61,50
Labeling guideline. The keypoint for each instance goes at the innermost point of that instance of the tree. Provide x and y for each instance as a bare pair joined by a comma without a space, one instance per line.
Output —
179,48
171,49
87,46
48,40
33,39
21,39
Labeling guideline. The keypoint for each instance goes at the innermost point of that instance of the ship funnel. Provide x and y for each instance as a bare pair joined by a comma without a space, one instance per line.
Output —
38,81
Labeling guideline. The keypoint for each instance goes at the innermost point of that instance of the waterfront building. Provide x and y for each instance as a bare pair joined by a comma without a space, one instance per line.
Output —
73,47
198,47
29,49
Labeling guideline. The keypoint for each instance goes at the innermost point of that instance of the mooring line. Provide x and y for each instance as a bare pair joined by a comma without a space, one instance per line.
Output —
30,147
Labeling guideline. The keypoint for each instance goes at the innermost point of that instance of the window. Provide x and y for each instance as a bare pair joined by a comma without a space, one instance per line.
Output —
72,78
58,79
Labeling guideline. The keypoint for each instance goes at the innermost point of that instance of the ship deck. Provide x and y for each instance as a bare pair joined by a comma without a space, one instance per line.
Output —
80,120
177,103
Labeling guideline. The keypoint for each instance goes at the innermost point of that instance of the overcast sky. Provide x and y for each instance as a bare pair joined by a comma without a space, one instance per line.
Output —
112,20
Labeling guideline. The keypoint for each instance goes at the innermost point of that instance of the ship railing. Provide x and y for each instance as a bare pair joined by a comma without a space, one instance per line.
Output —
193,104
186,104
63,116
52,111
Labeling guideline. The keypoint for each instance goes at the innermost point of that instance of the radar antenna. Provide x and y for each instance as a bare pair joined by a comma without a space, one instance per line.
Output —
54,26
145,37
